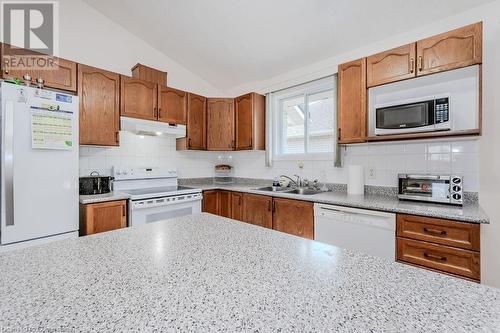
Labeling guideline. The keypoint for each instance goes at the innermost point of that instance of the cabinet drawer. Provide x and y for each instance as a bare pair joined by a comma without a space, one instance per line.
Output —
446,232
443,258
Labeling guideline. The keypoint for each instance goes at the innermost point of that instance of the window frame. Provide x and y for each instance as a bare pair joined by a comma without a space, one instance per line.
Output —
303,90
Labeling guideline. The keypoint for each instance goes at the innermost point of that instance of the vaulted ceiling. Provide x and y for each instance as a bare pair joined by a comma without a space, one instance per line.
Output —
233,42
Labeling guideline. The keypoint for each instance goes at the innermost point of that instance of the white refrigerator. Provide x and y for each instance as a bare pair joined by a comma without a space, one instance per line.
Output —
39,165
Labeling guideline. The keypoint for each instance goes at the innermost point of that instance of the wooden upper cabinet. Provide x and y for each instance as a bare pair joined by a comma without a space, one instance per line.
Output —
196,122
257,209
352,102
237,206
149,74
293,217
220,124
172,105
138,98
101,217
99,92
454,49
250,122
390,66
61,76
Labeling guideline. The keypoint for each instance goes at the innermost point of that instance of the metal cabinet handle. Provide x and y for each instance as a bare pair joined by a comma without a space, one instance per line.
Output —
339,134
434,257
189,143
435,231
412,65
159,112
269,206
6,71
420,61
274,206
123,210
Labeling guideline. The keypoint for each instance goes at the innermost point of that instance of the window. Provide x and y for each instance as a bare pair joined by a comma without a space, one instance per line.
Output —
304,119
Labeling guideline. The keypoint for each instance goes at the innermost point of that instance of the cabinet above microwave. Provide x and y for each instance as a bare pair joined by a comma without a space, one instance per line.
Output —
448,103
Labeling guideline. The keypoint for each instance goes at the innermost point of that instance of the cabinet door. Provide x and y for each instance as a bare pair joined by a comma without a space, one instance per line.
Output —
352,102
390,66
99,92
237,206
138,98
172,105
293,217
62,76
250,122
210,202
220,124
224,203
102,217
257,209
146,73
454,49
197,122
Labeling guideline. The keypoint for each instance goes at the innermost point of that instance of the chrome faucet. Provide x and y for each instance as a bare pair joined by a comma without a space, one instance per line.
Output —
298,182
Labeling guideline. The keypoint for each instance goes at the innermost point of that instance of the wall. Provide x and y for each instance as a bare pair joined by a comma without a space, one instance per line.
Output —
86,36
146,151
387,160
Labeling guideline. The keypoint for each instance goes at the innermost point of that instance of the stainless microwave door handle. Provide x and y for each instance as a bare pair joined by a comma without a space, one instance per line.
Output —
426,177
8,164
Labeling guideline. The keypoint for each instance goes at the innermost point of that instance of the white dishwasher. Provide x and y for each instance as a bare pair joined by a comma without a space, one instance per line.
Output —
367,231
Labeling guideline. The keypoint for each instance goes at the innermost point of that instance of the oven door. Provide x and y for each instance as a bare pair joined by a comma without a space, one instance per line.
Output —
405,118
149,211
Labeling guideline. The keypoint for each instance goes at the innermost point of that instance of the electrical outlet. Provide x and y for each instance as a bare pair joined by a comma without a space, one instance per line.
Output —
301,165
372,173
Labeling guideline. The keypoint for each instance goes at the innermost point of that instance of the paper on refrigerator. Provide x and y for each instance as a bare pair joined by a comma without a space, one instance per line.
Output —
51,129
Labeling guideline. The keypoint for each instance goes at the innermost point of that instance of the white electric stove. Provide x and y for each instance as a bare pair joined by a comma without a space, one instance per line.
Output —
155,195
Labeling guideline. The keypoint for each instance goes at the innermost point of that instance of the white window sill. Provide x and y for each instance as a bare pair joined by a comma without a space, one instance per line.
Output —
305,157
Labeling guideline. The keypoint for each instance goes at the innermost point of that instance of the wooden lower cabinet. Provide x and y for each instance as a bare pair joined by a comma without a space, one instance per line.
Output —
257,209
103,216
210,202
224,203
446,246
237,206
217,202
443,258
293,217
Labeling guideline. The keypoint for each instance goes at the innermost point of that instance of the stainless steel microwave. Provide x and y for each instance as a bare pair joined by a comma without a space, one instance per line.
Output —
418,115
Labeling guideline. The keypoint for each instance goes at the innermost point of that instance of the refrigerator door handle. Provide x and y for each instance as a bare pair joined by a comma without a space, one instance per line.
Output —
8,172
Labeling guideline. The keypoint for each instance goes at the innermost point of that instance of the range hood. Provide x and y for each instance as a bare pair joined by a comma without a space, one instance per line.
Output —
151,128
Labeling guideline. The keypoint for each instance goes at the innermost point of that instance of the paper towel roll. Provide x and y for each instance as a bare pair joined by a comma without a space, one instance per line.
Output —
356,180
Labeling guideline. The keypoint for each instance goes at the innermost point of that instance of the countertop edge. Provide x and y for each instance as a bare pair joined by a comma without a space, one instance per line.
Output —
235,188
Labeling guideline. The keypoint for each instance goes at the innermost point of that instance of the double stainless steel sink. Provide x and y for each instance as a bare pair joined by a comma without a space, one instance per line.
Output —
298,190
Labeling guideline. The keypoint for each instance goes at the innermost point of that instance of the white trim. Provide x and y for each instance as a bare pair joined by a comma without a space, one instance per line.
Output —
305,157
314,87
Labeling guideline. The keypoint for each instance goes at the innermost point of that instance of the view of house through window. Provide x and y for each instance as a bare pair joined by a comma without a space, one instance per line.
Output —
305,119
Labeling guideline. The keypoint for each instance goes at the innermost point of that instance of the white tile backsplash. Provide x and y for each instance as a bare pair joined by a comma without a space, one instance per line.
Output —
386,159
146,151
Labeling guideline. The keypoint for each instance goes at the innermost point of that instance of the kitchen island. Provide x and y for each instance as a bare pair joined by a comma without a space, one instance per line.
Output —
207,273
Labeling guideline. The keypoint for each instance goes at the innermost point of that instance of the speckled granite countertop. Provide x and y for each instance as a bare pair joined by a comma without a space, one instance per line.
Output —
470,212
95,198
205,273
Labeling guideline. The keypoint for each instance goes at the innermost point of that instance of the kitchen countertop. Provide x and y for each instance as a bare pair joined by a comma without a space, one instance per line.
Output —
469,212
95,198
207,273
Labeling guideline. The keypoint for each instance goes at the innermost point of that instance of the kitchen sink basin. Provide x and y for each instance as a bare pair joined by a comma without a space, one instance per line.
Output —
275,189
304,191
301,190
